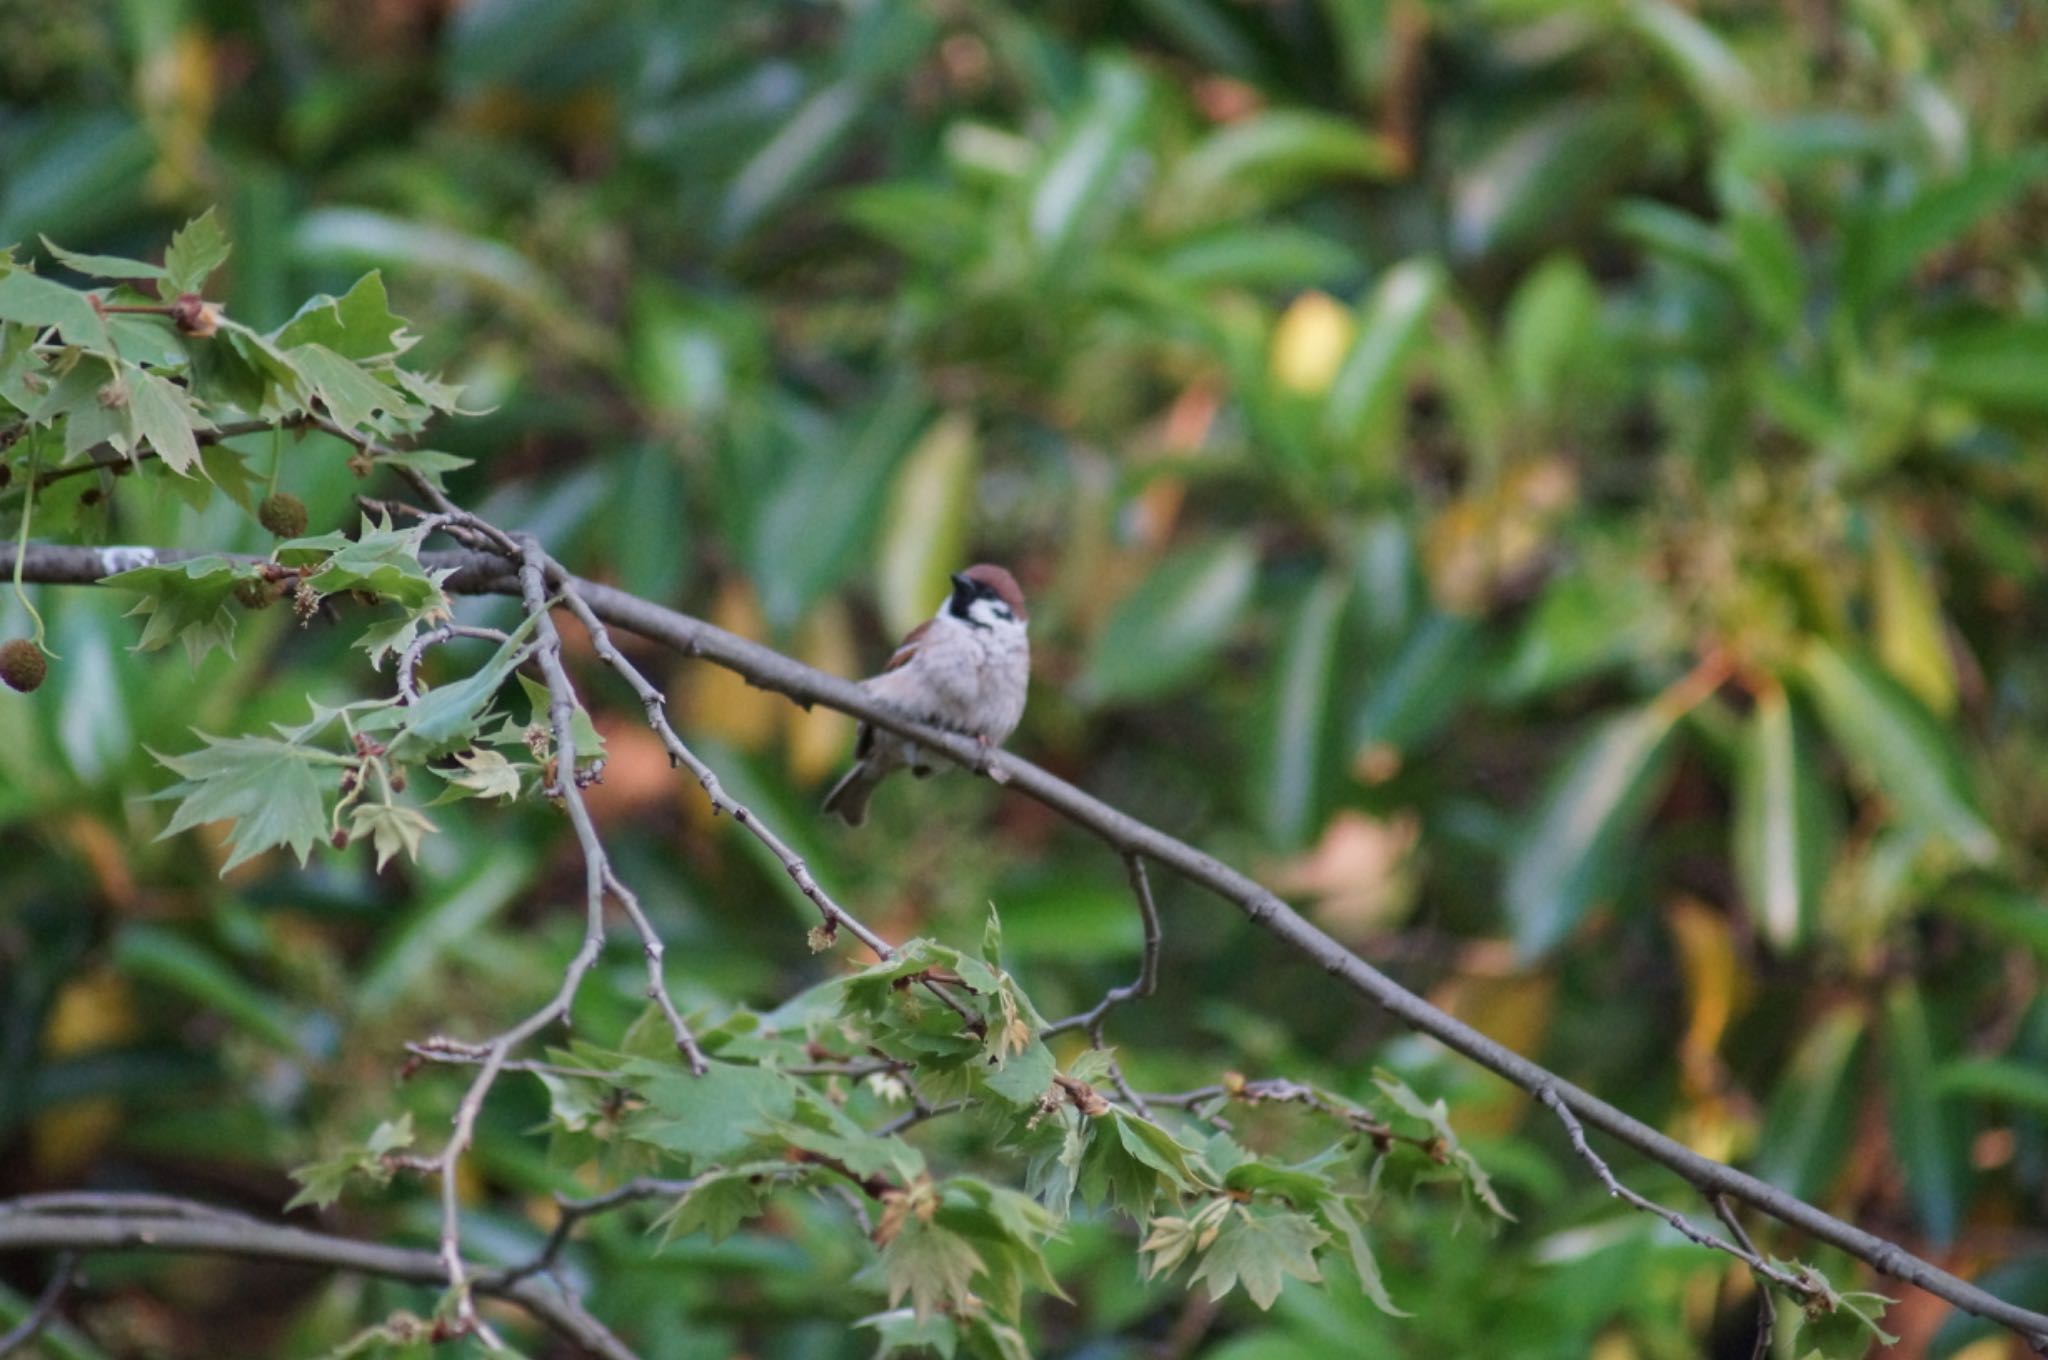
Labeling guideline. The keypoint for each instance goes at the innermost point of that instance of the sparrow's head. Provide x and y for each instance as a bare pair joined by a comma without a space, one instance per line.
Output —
986,596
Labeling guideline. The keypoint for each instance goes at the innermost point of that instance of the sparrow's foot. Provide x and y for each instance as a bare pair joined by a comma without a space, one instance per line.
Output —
984,761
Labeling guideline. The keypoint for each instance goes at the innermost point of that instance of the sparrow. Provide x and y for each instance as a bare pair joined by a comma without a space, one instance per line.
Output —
964,669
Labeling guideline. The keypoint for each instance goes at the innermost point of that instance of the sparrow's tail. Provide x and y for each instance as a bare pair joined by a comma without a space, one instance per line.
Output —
849,797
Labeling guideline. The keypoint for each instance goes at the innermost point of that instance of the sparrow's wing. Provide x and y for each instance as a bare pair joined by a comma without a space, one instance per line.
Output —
900,658
907,648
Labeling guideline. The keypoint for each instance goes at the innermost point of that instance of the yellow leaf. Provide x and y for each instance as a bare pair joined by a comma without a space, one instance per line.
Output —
95,1010
1713,990
1911,640
1310,342
818,738
719,702
926,527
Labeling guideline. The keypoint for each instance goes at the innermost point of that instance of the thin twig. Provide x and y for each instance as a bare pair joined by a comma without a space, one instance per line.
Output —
112,1222
1148,963
1766,1306
477,573
1785,1280
45,1310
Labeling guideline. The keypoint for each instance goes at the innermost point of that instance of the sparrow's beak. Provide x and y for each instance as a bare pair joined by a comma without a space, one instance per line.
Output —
959,581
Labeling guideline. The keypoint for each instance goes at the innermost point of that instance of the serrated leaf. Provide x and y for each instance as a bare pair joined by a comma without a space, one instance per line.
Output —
707,1119
355,399
185,600
196,250
164,416
589,742
902,1330
391,828
1338,1214
428,463
357,325
270,790
1260,1250
321,1182
486,774
721,1201
448,716
932,1265
101,266
34,301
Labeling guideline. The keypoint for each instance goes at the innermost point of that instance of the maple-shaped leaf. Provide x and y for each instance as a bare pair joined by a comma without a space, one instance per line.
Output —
1259,1250
321,1182
722,1200
270,790
391,828
187,601
932,1265
707,1119
196,250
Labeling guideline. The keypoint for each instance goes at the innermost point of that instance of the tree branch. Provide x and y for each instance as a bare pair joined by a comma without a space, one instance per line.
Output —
105,1223
480,573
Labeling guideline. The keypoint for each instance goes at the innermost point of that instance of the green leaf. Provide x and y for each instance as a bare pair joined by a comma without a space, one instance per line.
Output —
379,561
321,1183
708,1119
1259,1250
354,398
1783,823
164,416
101,266
924,528
35,301
2010,1082
357,325
1898,747
1301,1187
1292,775
171,960
1544,338
934,1266
270,790
1075,195
903,1331
428,463
2000,364
1711,71
1924,1135
391,828
1339,1214
196,250
721,1201
798,153
1939,214
1806,1129
1423,685
186,600
1912,639
1582,835
1169,630
582,731
447,717
1274,154
1366,398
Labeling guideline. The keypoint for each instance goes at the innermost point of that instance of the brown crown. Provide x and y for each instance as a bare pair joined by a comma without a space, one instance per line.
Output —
1002,583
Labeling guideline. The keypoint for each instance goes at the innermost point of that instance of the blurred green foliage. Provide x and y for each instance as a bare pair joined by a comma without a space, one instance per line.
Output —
1555,486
